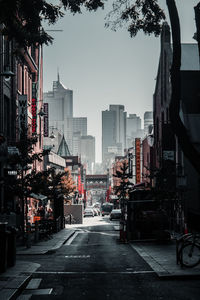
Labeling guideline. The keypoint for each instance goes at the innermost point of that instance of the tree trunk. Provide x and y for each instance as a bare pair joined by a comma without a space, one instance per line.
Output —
178,127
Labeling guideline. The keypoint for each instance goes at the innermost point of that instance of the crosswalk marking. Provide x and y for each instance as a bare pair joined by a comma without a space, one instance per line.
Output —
34,284
92,272
77,256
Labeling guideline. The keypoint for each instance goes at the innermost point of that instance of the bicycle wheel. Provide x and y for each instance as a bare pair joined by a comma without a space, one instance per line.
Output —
190,255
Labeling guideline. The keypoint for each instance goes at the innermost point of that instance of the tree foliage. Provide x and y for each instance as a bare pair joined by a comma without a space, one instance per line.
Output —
124,184
145,15
22,162
23,20
52,183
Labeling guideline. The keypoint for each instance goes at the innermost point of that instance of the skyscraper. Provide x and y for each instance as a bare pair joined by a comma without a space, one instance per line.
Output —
148,120
113,131
133,129
79,129
60,104
88,152
80,124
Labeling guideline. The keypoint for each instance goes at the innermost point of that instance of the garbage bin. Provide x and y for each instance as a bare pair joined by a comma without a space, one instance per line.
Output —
11,241
3,247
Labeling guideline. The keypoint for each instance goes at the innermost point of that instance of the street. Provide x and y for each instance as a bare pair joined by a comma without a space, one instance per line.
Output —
92,264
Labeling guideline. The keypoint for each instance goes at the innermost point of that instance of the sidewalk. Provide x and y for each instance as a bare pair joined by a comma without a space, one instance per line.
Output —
162,259
47,246
16,278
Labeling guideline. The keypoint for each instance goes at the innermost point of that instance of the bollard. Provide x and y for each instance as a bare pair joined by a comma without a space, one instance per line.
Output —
70,219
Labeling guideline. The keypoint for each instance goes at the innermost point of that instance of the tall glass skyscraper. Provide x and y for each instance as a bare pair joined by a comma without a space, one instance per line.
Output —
60,110
113,131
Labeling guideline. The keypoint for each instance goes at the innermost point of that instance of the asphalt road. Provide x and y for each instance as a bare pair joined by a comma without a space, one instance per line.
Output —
94,265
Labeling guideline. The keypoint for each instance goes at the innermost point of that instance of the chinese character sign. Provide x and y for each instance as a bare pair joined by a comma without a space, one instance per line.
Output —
46,120
34,108
137,160
23,114
34,116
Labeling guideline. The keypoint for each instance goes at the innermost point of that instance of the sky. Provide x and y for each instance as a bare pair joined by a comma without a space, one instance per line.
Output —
104,67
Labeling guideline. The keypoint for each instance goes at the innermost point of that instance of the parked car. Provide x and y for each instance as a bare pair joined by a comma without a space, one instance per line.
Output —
106,209
88,212
115,214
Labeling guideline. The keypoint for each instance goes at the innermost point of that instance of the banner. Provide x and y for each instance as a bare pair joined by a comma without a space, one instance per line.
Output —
46,119
137,160
34,108
23,113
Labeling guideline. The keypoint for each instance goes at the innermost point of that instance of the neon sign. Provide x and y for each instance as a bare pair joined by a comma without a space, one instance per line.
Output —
137,160
34,115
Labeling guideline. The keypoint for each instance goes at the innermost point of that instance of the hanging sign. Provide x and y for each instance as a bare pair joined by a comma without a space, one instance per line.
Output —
46,119
34,108
23,114
137,160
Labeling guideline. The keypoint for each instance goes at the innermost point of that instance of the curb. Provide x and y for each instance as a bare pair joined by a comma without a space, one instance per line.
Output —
178,276
19,290
43,249
54,249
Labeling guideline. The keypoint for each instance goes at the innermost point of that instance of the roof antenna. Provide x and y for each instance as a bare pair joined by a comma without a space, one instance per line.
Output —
58,75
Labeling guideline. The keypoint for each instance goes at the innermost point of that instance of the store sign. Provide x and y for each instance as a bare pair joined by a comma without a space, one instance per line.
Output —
23,114
13,150
34,115
137,160
46,119
34,108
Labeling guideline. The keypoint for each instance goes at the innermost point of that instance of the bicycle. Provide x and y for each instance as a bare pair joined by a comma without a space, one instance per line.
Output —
188,250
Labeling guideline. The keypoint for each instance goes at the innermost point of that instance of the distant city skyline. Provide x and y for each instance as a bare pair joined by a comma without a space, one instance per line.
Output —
103,67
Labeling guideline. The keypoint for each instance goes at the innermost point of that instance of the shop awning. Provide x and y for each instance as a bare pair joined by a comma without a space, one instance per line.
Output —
38,196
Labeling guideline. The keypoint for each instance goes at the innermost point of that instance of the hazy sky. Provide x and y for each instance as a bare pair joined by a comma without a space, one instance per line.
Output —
103,67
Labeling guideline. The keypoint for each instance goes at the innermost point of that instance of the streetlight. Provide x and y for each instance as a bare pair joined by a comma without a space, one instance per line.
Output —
52,135
7,74
41,112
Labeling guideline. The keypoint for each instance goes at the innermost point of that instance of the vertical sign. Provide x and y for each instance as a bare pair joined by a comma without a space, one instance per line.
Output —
137,160
23,114
46,119
34,108
79,185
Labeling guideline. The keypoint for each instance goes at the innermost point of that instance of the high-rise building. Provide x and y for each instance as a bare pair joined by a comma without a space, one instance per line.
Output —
148,120
76,143
133,129
88,152
79,129
60,110
113,131
80,125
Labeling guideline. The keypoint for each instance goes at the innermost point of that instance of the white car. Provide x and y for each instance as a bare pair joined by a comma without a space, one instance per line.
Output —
115,214
88,212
